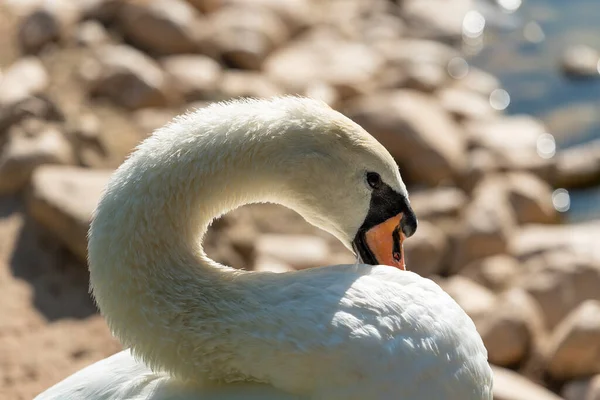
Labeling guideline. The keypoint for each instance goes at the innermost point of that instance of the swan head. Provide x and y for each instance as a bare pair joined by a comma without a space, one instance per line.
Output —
342,179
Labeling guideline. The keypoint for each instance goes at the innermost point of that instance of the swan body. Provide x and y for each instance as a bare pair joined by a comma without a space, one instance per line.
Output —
199,330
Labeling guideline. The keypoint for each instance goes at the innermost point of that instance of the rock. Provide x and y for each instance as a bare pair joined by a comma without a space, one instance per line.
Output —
91,34
86,135
466,105
477,301
162,26
496,273
560,281
323,57
295,14
426,251
509,385
480,163
298,251
444,24
105,11
127,76
245,35
574,347
26,77
510,331
425,141
39,107
31,144
531,199
62,200
578,166
584,389
269,264
478,81
150,119
38,29
206,6
438,202
581,61
196,77
488,222
236,84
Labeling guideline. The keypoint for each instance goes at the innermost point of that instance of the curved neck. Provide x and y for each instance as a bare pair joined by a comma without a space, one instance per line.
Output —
151,279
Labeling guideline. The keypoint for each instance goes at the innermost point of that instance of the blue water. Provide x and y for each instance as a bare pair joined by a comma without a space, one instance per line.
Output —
530,72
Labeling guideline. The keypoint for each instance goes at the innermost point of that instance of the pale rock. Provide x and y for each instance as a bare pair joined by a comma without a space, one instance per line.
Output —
438,202
245,35
91,34
574,347
509,385
583,389
298,251
382,27
488,223
235,84
324,92
477,301
509,332
496,273
426,251
465,104
477,81
425,77
295,14
195,77
270,264
581,61
321,56
62,200
162,26
578,166
421,136
31,144
445,23
531,199
126,76
26,77
150,119
480,163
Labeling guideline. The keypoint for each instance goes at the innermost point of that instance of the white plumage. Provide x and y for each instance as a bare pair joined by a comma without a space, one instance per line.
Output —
212,332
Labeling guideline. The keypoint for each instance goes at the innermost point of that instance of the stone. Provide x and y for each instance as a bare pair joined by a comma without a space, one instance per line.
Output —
26,77
31,144
235,84
105,11
578,166
477,301
421,136
510,331
581,61
582,389
531,199
295,14
574,346
127,76
438,203
322,56
37,30
269,264
410,51
91,34
466,105
480,163
150,119
445,24
477,81
162,26
195,77
427,250
496,273
488,223
62,200
85,132
509,385
298,251
245,35
39,107
206,6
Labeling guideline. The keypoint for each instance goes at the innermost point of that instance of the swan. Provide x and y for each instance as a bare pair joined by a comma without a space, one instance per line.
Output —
195,329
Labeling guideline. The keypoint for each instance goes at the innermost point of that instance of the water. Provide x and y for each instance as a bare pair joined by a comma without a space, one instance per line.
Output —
523,49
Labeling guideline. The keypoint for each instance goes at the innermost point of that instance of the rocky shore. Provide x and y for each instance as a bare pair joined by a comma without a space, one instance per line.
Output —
81,82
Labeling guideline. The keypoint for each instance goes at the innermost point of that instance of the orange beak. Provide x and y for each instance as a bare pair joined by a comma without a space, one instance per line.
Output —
385,242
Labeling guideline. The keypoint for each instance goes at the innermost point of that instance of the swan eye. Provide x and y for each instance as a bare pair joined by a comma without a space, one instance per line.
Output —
374,180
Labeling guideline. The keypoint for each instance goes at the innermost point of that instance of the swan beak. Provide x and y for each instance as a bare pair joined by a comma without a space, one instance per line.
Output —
385,242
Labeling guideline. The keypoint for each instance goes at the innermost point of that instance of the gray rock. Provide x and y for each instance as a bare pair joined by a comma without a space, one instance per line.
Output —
38,29
581,61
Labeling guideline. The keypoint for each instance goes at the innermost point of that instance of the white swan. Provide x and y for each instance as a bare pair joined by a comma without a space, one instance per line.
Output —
340,332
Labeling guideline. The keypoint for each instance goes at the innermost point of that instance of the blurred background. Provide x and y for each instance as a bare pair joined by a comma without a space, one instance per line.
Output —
490,107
